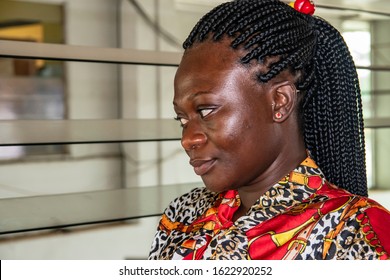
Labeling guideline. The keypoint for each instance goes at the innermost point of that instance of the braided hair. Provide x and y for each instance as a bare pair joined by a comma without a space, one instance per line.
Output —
331,107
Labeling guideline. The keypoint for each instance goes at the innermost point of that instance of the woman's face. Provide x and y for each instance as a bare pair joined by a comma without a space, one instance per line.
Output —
227,118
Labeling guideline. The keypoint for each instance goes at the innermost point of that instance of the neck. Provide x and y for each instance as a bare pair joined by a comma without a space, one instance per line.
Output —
293,153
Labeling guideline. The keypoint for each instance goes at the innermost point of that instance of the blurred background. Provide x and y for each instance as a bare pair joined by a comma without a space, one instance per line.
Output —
89,152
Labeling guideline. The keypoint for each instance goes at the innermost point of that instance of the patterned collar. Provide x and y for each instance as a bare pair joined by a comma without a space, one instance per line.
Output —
299,185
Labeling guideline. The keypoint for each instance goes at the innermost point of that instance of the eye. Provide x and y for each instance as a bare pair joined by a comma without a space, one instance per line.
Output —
182,121
205,112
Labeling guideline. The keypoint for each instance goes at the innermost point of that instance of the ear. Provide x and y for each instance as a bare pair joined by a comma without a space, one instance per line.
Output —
284,95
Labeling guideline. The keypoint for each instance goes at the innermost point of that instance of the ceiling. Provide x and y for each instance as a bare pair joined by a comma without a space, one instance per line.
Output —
376,9
325,7
382,6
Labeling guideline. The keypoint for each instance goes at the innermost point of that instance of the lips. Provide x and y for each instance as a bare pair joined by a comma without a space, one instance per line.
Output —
202,166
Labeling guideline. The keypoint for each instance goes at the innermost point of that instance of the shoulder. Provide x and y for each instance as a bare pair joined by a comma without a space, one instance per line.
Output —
361,224
375,224
187,207
373,213
181,211
357,204
372,223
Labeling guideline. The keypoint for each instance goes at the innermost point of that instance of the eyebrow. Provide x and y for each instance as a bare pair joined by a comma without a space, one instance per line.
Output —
196,94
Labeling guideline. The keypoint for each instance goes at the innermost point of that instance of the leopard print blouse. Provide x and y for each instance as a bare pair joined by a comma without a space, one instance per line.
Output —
301,217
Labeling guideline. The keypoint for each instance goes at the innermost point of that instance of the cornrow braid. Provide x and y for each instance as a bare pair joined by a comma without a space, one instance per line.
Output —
331,106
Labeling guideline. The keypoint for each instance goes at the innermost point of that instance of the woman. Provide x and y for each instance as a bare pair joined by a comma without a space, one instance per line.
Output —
269,101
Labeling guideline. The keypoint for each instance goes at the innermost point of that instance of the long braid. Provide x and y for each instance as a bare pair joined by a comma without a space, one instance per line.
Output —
331,104
334,113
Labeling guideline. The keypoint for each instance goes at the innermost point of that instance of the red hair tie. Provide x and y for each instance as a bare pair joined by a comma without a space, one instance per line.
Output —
306,7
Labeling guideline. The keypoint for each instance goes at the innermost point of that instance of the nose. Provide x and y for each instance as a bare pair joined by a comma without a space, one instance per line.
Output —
193,137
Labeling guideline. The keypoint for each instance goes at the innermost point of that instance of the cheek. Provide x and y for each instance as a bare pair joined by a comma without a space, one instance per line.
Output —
248,140
229,135
237,136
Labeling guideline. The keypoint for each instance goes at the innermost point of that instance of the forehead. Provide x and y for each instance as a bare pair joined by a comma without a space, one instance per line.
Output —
211,56
211,72
207,64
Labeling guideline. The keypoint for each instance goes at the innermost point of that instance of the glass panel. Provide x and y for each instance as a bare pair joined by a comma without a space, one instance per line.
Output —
59,211
96,167
31,89
83,168
33,21
86,131
382,160
30,97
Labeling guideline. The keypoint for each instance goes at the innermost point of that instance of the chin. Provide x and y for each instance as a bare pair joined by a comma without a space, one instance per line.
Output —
216,187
